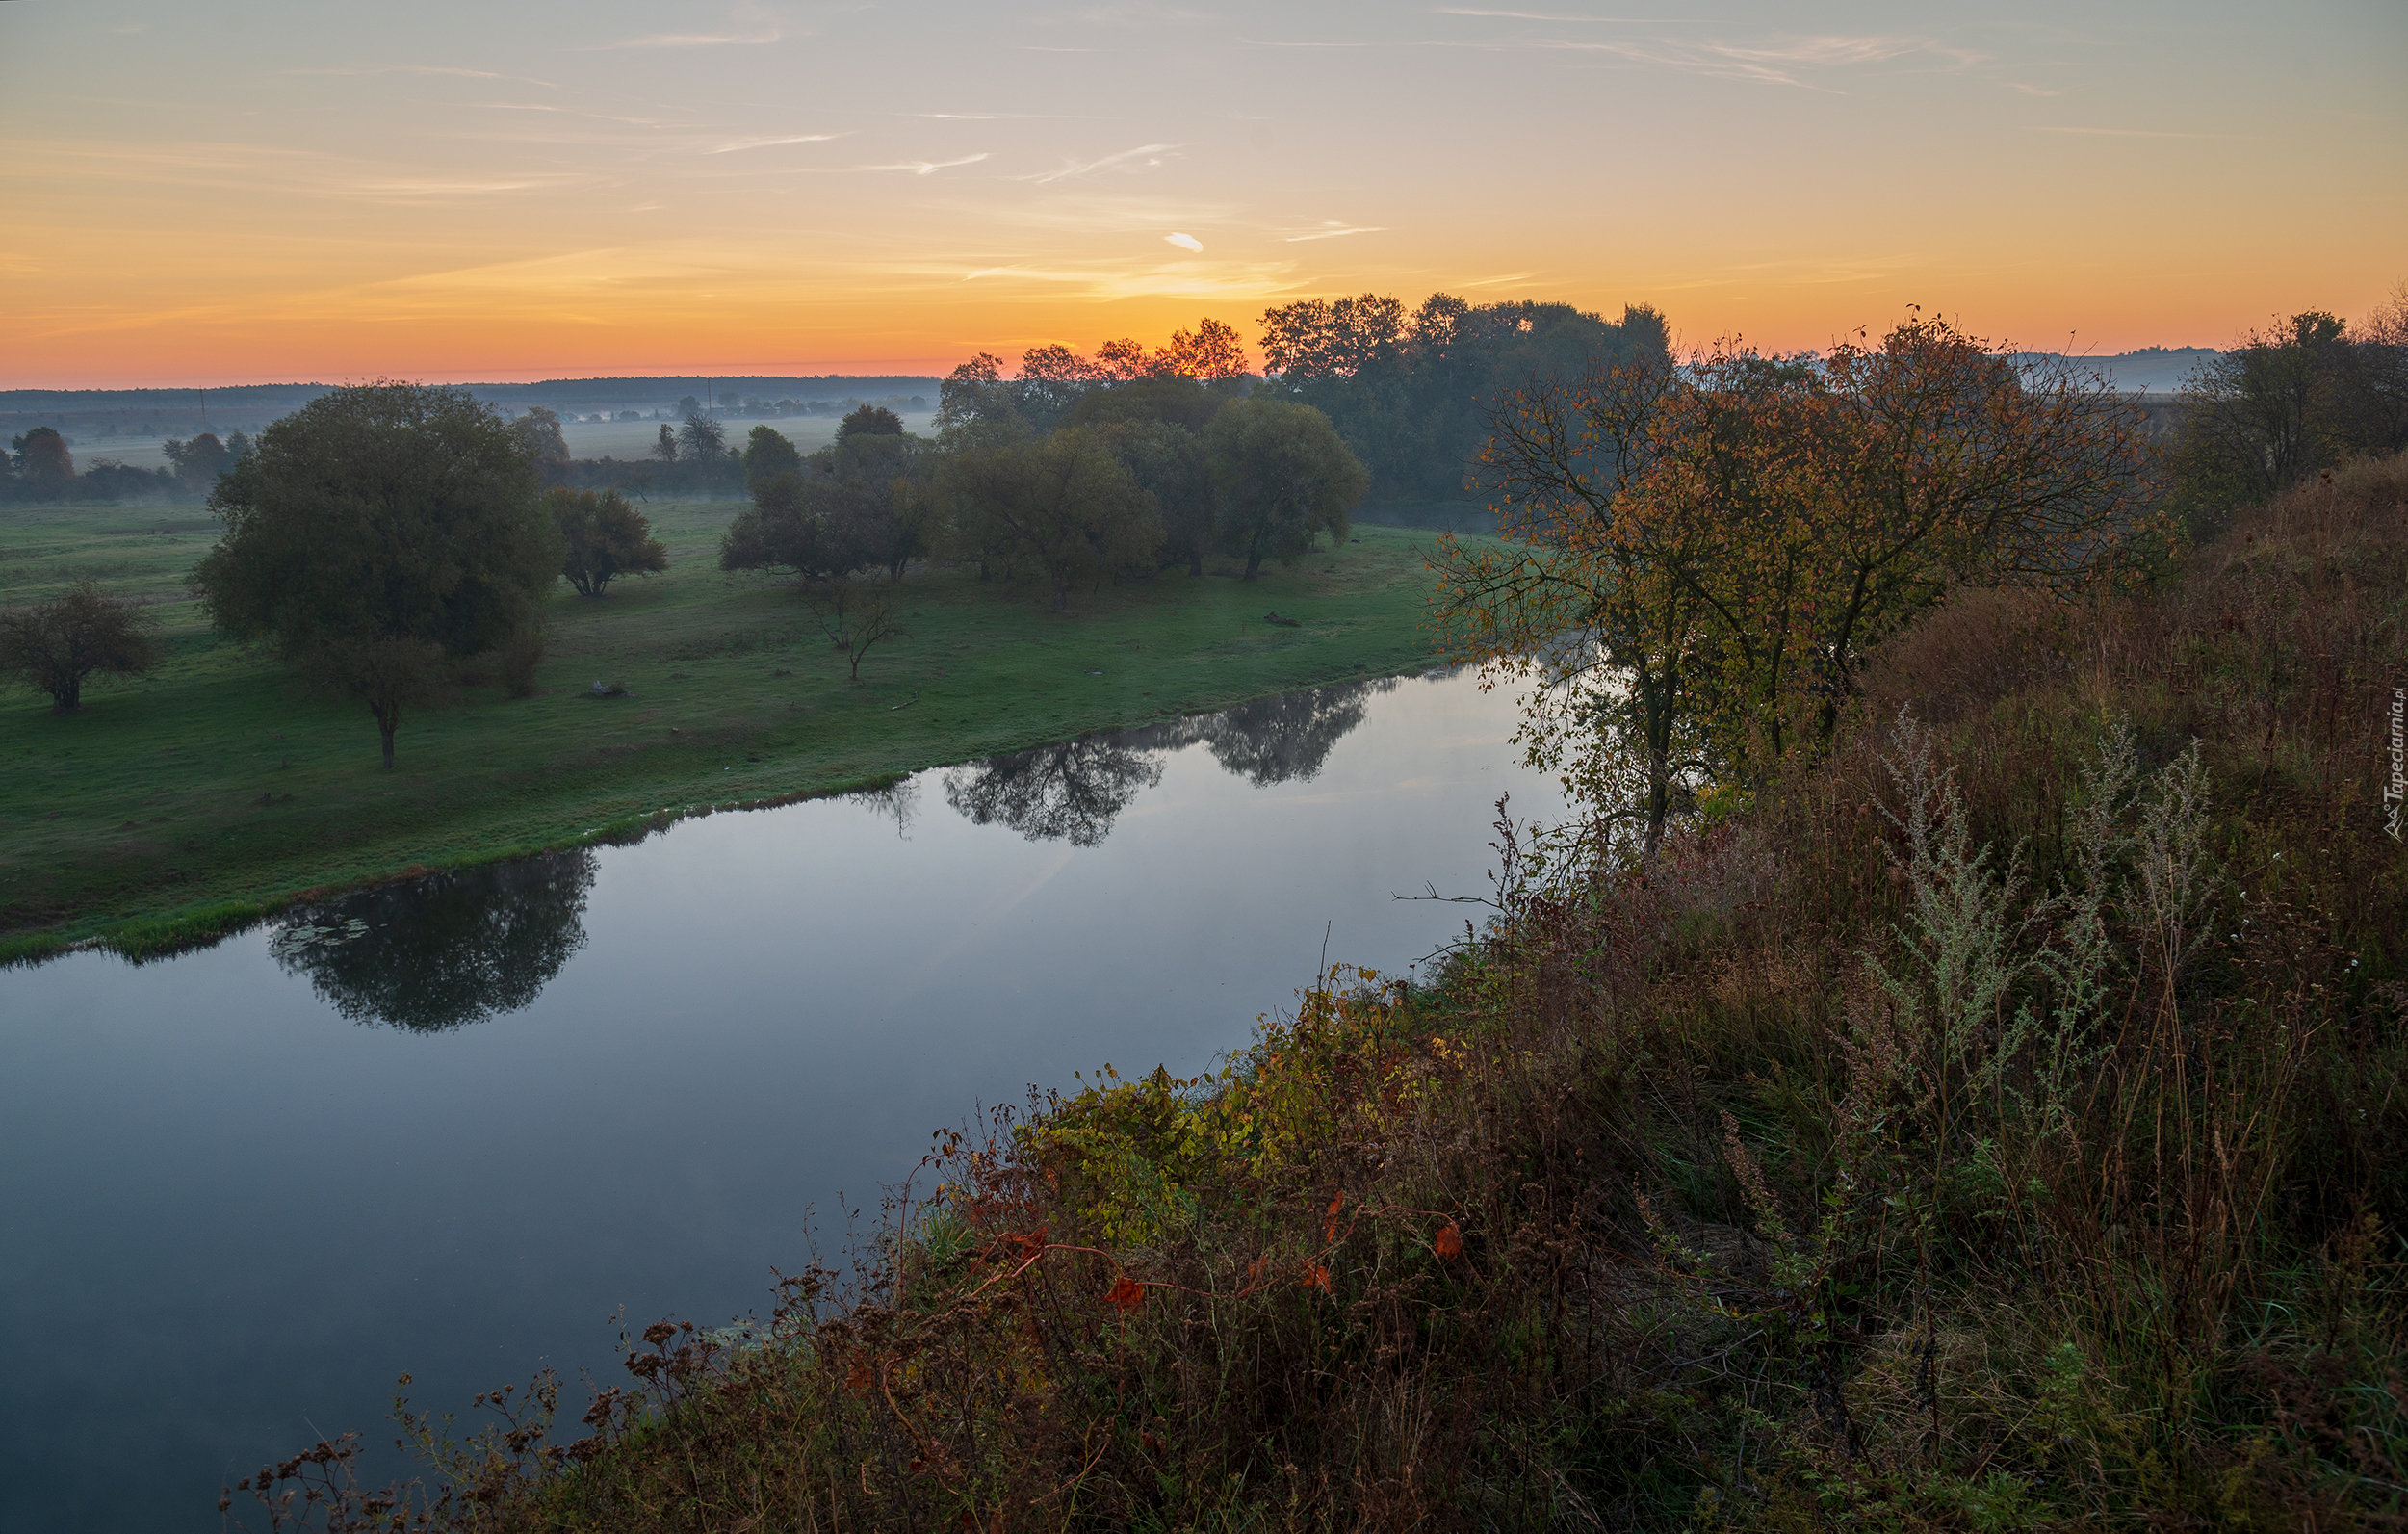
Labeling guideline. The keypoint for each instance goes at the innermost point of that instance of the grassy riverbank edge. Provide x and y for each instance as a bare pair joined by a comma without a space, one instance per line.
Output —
210,917
181,807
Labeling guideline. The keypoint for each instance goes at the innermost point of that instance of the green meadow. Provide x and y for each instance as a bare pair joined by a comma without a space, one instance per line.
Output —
218,787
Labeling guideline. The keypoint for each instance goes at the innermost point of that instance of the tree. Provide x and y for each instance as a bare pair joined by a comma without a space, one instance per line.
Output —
52,646
1283,475
767,453
539,437
976,405
1699,558
870,420
1591,607
2250,420
1178,401
1408,389
380,535
1825,505
1065,503
704,441
198,462
855,615
2301,395
664,446
1212,353
810,523
605,538
1168,462
42,463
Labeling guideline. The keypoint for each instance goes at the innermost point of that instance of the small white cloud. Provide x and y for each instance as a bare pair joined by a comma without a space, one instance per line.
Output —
689,39
1145,157
1185,242
763,143
927,167
2126,133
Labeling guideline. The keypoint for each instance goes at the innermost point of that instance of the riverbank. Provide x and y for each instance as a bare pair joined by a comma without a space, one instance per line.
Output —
1999,1125
218,788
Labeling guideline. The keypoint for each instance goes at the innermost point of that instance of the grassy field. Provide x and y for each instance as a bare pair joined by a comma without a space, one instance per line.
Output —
178,803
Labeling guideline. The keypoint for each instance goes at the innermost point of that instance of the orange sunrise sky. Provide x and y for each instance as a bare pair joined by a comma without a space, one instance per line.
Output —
233,193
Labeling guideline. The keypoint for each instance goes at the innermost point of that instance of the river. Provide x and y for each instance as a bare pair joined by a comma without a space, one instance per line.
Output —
457,1127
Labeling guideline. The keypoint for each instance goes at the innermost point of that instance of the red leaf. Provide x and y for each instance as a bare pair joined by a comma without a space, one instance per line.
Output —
1449,1242
1125,1296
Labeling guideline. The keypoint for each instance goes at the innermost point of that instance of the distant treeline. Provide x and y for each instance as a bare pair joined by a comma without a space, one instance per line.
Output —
41,467
244,400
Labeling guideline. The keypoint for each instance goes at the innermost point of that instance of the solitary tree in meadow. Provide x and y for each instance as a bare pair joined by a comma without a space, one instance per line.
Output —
605,538
52,646
42,462
380,536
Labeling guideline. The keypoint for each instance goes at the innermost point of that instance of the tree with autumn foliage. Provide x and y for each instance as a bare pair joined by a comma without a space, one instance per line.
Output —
1582,604
1727,542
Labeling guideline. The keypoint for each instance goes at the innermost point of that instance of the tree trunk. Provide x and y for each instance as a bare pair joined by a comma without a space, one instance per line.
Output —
1061,593
388,720
69,697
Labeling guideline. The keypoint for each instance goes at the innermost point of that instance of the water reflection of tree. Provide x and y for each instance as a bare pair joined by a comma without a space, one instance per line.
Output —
1072,791
897,801
1281,739
449,950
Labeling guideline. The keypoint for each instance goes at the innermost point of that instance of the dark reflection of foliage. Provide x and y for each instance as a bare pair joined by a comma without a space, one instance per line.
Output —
897,801
1285,737
453,948
1072,790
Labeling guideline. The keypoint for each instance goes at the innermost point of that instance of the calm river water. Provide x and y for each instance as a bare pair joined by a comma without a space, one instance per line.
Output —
454,1128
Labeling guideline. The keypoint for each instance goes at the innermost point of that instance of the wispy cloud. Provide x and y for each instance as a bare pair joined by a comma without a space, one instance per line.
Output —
1775,62
2125,133
427,69
1334,230
757,24
1145,157
297,172
1545,15
1185,242
1138,16
1498,282
733,145
1104,282
926,167
2031,90
1772,62
1005,116
567,112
